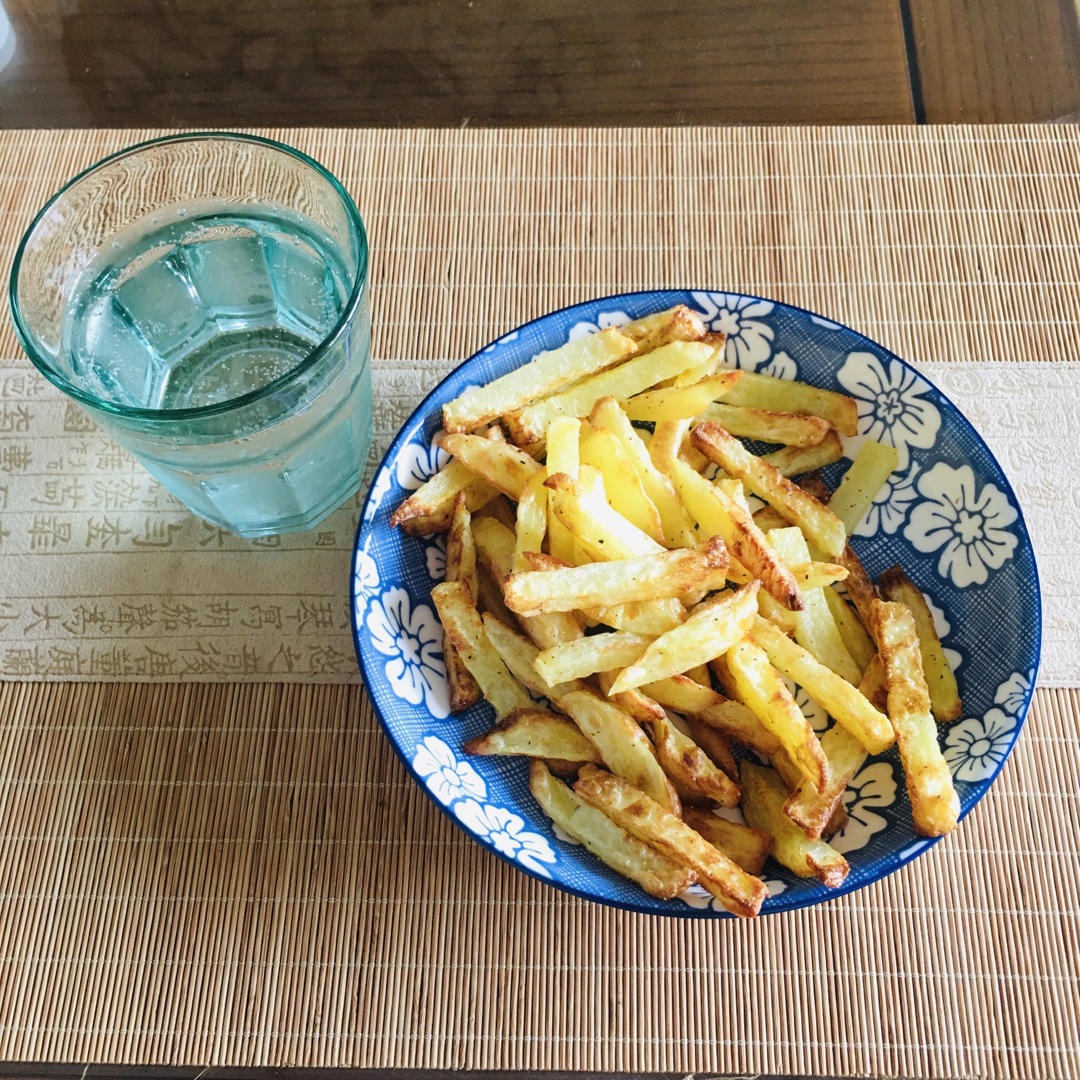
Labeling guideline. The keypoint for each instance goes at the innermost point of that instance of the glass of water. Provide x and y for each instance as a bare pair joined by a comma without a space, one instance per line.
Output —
204,297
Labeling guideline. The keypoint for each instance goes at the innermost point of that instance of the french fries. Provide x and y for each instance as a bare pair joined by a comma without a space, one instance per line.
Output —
934,803
604,584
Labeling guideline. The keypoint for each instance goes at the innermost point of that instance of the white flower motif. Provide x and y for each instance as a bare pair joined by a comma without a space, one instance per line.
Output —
781,366
383,480
446,777
435,557
603,320
365,577
827,323
749,340
412,639
505,339
775,886
507,834
969,525
872,786
417,463
975,748
1013,692
890,506
891,405
818,717
695,896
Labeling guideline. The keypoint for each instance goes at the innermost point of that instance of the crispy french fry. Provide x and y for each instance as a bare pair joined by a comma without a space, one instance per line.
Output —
764,693
837,823
633,376
857,641
768,426
894,584
463,625
564,446
676,324
602,449
818,522
764,796
651,617
858,584
746,847
872,685
545,374
934,803
835,695
535,733
767,519
519,655
718,514
569,588
460,566
796,460
430,508
815,628
500,509
742,893
500,464
610,843
873,465
708,632
811,810
673,518
759,391
489,596
642,708
666,442
715,744
531,519
596,526
688,766
587,655
680,402
623,746
813,483
817,575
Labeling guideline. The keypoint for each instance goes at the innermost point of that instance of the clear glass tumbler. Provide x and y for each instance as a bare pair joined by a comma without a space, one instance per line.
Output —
204,297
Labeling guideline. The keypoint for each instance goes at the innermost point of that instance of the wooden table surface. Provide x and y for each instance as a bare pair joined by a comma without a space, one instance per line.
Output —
203,63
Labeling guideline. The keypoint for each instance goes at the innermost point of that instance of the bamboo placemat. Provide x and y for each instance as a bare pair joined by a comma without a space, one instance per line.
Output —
243,874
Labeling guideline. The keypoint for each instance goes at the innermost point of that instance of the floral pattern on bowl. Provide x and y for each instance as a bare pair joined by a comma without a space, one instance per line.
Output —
948,516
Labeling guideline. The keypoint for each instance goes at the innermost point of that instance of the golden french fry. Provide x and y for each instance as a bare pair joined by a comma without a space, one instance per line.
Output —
623,746
715,743
813,811
650,617
500,464
666,442
688,766
873,465
858,584
768,426
708,632
718,514
857,641
815,629
569,588
746,847
430,508
764,693
633,376
595,525
740,892
676,324
872,685
678,532
796,460
817,575
587,655
766,481
763,801
602,449
643,709
536,733
460,566
758,391
894,584
680,402
531,519
545,374
463,625
519,655
835,695
934,803
610,843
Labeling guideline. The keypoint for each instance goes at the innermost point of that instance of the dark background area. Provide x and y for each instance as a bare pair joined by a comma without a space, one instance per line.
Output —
206,63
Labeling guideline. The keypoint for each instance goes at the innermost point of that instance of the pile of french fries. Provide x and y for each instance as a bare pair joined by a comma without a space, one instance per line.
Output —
638,627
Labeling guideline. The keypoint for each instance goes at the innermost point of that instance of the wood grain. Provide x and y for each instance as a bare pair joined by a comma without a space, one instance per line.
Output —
378,62
1012,60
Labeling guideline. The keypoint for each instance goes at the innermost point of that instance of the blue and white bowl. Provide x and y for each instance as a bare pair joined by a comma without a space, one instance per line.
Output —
949,517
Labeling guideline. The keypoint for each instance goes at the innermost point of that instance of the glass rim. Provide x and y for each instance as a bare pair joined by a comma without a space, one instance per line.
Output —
217,408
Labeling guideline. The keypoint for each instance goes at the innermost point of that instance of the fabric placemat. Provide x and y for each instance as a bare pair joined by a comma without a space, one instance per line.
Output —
212,873
948,246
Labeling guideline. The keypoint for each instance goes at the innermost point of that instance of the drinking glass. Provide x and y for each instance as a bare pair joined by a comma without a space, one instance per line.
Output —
204,297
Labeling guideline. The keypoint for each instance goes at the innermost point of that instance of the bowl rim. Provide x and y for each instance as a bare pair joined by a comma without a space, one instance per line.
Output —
883,867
